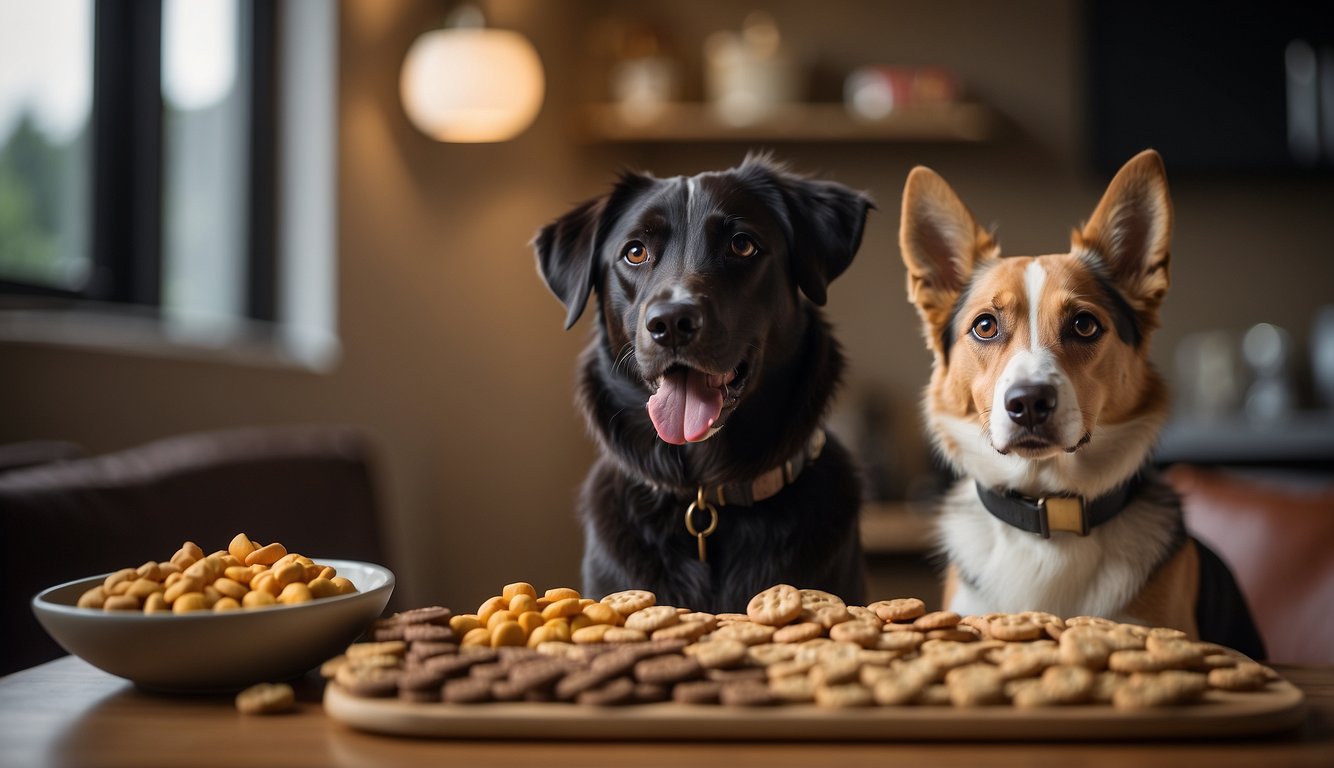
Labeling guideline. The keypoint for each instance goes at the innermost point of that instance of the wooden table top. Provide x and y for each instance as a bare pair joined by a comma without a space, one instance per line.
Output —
67,713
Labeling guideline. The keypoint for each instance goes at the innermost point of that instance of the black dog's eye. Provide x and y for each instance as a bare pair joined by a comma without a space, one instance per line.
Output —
743,246
635,252
985,327
1086,326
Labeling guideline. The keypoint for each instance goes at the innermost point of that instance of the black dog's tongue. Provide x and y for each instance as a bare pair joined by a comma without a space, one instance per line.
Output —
686,405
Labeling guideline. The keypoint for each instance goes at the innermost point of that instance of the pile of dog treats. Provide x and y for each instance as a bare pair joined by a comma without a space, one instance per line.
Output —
791,646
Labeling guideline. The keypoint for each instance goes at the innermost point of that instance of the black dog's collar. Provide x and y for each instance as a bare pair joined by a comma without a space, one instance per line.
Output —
1073,514
769,483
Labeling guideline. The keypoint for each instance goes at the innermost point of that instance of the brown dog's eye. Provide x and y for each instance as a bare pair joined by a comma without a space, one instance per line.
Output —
1085,325
986,327
743,246
635,252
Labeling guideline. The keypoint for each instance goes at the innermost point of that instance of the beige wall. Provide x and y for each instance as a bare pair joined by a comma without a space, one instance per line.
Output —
454,355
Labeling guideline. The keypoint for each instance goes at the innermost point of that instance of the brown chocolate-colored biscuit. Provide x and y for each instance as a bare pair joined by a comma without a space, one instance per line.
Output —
391,632
620,690
458,664
420,678
538,673
615,662
506,690
668,669
659,646
491,670
747,693
466,690
432,614
740,673
510,655
419,697
428,632
697,692
580,680
649,693
425,649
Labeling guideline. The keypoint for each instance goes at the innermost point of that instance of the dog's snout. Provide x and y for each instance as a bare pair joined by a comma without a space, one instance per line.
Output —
1030,405
674,323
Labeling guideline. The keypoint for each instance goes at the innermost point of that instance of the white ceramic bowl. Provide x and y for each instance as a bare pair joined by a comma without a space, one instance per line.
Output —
215,651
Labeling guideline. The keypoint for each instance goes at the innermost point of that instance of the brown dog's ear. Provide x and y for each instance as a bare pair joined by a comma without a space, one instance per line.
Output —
1131,231
566,250
827,220
942,245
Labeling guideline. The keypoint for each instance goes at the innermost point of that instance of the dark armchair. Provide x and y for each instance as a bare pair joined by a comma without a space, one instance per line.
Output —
308,487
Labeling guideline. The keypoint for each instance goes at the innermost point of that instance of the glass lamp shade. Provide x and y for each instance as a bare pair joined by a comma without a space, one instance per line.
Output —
472,85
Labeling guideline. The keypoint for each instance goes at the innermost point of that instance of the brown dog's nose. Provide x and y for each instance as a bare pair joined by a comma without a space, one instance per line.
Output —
674,323
1029,405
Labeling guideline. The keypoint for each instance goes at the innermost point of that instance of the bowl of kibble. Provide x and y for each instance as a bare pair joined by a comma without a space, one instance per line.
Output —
246,614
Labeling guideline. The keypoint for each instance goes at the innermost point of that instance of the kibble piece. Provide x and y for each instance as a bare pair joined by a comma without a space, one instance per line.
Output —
265,555
93,598
241,546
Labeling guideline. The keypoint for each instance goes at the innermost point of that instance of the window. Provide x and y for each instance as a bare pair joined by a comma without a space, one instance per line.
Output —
169,166
46,87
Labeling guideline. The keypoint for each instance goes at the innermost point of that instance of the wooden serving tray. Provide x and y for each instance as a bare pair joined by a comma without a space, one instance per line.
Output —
1220,715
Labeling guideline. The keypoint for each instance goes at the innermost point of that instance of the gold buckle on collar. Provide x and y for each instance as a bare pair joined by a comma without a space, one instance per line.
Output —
1063,513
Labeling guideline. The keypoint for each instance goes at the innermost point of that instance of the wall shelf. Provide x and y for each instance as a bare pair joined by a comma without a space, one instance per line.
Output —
813,122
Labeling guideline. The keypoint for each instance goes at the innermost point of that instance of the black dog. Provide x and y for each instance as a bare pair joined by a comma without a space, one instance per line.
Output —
706,290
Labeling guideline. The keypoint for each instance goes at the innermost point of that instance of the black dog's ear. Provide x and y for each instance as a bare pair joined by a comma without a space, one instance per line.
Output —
827,222
566,249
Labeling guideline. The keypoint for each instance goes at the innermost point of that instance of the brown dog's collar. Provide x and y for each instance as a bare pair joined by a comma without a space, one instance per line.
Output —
747,494
771,482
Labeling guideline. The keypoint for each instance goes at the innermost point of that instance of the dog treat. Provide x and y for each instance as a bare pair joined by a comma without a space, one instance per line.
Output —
605,654
630,600
266,699
653,618
243,576
668,669
775,606
899,609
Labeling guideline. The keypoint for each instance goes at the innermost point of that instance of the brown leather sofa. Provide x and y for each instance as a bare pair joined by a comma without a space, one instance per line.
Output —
63,517
1276,532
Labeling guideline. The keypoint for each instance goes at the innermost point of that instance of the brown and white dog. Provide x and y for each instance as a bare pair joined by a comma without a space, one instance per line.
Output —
1043,397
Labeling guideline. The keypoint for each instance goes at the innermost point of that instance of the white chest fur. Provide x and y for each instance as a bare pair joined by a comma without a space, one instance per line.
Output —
1003,568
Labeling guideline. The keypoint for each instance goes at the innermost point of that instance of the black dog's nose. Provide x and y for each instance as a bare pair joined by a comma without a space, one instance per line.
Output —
674,323
1030,404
